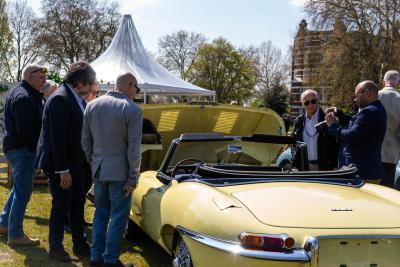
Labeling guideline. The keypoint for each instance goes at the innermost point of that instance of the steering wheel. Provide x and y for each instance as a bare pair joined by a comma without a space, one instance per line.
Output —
178,164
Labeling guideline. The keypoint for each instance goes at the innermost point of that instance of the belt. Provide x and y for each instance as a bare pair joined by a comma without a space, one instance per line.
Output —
313,161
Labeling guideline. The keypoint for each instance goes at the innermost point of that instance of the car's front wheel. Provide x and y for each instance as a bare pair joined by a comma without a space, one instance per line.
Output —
181,256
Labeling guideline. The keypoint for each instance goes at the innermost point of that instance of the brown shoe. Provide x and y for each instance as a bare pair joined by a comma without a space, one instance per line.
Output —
3,230
23,241
62,255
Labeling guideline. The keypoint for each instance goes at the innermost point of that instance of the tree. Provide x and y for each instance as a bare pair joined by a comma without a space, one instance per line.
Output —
220,67
179,51
23,24
5,41
272,73
75,30
364,43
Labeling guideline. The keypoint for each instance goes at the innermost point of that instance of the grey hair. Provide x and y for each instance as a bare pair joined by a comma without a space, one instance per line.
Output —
49,84
29,69
307,92
392,77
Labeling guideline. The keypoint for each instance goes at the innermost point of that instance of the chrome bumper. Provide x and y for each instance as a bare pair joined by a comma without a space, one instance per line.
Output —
297,255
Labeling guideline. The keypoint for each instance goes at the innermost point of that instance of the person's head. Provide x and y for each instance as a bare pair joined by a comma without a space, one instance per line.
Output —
391,78
81,76
93,92
49,87
365,93
310,101
126,83
35,75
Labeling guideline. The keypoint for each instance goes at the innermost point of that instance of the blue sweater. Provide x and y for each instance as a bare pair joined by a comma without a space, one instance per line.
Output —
22,118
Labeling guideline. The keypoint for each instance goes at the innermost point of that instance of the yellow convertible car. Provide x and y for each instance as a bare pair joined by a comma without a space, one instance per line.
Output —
213,196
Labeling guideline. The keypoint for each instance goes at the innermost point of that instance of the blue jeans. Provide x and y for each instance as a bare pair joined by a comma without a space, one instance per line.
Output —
111,204
22,163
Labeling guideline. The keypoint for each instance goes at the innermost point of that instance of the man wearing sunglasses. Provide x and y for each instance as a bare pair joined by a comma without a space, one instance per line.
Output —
93,93
111,137
321,147
363,136
22,123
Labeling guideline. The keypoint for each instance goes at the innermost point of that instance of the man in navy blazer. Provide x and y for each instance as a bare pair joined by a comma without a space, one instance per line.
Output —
61,156
363,137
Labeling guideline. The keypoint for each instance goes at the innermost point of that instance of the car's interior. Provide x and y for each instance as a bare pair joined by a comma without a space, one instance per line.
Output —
221,160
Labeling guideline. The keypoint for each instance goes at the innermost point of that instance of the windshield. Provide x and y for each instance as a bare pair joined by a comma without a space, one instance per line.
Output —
235,152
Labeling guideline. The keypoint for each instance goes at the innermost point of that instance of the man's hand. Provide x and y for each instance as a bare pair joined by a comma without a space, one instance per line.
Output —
331,109
128,189
330,119
66,180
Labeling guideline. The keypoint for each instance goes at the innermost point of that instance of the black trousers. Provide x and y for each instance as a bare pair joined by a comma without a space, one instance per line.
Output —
66,202
390,171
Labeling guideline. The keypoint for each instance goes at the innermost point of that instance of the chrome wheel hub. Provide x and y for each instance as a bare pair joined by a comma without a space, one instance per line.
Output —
181,255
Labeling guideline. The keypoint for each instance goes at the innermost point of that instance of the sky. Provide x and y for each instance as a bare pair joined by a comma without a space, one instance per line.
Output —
243,23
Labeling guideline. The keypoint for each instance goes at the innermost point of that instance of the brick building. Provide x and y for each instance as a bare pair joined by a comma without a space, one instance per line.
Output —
306,55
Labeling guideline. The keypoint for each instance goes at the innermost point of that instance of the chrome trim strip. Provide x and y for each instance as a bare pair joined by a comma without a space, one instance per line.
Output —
298,255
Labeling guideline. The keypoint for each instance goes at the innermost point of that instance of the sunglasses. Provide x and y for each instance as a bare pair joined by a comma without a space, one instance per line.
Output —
137,88
42,71
312,101
359,93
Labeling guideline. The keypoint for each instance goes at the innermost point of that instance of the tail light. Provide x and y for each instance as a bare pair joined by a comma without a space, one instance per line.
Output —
273,243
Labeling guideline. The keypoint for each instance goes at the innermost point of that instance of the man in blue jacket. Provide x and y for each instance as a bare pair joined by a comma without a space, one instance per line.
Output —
363,137
22,123
61,156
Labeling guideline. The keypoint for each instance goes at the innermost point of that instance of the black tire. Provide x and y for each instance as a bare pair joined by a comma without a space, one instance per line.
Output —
133,232
181,256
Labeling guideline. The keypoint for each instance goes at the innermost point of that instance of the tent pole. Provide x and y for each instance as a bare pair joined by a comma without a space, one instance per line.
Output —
144,98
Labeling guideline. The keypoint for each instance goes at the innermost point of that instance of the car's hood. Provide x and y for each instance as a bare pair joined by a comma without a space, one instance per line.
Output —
312,205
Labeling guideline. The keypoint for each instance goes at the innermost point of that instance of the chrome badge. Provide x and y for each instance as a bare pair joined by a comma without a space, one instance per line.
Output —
342,209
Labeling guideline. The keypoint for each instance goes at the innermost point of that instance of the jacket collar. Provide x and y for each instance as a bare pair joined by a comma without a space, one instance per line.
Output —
118,94
31,89
389,88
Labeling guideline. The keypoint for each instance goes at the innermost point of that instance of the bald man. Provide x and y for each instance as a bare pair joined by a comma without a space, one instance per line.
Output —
111,138
22,123
363,137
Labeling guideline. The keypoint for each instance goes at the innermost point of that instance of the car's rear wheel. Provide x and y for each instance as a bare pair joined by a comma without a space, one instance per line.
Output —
133,232
181,256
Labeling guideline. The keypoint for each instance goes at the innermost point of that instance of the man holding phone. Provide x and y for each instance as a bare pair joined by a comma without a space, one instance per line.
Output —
111,138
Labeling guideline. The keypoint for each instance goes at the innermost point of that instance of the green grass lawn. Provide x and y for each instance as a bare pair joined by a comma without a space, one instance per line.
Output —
143,252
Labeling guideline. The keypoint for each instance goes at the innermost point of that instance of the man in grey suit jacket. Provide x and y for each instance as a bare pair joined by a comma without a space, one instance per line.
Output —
111,137
390,152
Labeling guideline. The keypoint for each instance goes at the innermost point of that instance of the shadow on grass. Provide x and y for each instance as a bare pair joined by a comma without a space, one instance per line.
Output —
144,247
38,256
38,220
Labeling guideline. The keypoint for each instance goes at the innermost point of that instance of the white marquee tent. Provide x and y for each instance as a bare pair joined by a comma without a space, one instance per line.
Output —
126,53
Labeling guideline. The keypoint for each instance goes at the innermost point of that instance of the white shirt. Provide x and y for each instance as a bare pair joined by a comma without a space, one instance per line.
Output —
310,135
77,97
